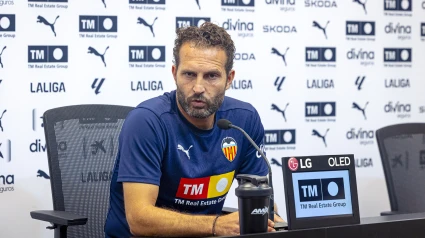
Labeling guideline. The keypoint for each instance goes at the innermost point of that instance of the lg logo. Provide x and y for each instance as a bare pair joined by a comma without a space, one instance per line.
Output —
293,164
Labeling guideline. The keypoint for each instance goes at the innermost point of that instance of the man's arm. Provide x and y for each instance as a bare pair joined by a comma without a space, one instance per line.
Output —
145,219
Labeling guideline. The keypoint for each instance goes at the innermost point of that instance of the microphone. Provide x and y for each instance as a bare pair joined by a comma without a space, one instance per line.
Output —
225,125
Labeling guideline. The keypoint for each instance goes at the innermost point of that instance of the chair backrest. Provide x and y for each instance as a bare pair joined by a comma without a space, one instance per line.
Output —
402,149
82,143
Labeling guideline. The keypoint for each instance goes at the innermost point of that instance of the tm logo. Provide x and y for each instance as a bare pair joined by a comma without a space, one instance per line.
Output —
98,145
94,51
150,26
363,110
359,82
47,54
146,53
1,53
315,24
283,56
398,5
320,54
7,22
397,55
97,84
98,24
43,20
360,28
362,3
191,21
276,108
316,133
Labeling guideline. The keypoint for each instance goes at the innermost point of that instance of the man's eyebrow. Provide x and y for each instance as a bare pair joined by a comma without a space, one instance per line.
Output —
213,71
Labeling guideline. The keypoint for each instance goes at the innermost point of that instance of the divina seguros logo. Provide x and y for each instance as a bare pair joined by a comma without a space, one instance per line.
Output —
403,32
284,5
7,3
242,28
7,183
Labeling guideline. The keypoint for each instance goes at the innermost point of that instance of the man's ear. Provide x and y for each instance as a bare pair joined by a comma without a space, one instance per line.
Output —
174,72
230,78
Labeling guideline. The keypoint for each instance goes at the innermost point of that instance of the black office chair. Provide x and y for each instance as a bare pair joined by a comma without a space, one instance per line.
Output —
402,150
82,143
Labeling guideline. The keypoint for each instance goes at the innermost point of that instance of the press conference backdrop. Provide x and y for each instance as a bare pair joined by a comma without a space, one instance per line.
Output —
323,74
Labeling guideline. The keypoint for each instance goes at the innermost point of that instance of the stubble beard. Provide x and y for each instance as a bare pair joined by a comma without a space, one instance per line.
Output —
211,106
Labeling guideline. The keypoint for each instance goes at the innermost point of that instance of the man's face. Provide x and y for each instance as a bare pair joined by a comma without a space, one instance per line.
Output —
201,80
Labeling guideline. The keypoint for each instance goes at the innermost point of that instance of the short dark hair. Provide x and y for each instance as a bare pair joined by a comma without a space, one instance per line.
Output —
207,35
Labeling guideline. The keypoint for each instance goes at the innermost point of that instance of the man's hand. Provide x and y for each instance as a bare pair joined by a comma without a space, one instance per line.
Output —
227,225
278,218
271,226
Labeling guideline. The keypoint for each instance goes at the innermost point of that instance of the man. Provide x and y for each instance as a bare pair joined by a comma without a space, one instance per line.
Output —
174,166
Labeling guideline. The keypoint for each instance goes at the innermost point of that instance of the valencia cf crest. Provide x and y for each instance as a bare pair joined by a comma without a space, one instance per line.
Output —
229,148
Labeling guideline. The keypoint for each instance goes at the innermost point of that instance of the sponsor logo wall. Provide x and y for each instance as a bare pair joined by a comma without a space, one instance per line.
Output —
326,75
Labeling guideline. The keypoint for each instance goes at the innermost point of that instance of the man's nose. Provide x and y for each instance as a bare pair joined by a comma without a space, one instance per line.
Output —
199,88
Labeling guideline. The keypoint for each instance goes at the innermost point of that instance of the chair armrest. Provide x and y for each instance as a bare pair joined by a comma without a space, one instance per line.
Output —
228,210
389,213
59,217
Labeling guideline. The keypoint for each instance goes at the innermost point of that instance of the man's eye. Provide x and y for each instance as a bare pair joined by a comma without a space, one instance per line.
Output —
212,76
189,74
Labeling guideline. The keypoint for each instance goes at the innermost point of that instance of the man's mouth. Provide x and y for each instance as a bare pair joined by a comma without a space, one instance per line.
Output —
198,103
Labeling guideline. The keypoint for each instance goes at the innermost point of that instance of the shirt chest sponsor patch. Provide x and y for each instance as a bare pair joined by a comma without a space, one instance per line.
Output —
204,188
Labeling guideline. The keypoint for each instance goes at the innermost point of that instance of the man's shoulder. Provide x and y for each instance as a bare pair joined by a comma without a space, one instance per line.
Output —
158,105
231,104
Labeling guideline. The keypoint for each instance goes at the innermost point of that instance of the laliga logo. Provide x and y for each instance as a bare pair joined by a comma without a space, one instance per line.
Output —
260,211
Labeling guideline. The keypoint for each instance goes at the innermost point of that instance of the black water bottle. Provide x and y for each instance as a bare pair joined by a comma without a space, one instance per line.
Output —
253,195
